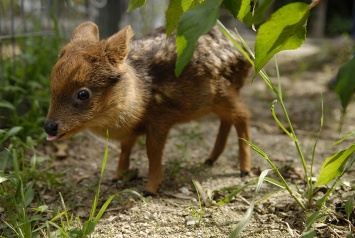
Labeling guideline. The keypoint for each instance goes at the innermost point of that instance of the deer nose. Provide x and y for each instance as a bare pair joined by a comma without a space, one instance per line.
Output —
51,128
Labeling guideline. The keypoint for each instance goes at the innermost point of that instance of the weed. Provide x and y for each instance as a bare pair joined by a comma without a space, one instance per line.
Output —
197,214
333,168
21,220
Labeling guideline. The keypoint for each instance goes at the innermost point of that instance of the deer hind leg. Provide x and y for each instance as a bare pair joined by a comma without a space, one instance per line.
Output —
221,140
241,124
232,111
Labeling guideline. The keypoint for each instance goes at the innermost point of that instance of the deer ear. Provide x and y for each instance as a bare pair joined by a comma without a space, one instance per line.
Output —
118,46
87,31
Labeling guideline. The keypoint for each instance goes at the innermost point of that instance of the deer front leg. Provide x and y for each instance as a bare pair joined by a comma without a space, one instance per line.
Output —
156,139
123,163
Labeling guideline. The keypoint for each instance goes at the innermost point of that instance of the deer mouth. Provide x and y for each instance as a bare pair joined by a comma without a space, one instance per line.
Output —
52,138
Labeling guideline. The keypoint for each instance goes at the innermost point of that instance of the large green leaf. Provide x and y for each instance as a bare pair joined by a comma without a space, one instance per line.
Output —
134,4
285,30
175,9
192,24
345,87
333,166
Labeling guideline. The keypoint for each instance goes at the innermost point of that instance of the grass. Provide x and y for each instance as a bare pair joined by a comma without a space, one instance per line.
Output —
26,214
23,106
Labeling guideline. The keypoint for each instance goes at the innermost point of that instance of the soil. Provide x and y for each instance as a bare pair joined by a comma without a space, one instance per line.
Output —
175,211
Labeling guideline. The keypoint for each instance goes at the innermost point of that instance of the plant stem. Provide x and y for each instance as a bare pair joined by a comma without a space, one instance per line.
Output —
292,134
314,3
342,119
250,57
285,183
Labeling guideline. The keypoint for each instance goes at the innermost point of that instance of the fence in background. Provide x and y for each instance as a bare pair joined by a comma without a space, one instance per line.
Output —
21,20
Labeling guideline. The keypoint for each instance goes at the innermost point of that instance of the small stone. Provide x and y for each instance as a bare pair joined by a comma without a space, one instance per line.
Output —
185,190
191,221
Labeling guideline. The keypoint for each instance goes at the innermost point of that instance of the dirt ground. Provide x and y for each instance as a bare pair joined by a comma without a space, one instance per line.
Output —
176,211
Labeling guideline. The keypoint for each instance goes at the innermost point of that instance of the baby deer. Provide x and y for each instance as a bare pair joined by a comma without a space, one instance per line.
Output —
130,89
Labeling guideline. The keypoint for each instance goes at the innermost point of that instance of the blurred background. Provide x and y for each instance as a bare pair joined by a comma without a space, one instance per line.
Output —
32,32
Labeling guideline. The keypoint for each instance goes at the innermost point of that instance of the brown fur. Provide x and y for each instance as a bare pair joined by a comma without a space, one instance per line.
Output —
133,91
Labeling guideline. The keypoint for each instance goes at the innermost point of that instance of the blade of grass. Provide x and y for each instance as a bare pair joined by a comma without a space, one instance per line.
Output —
261,180
247,216
89,225
287,187
275,182
310,184
108,201
277,120
267,196
63,232
243,223
235,192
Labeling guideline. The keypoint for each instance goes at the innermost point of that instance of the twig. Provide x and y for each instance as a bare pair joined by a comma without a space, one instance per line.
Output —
289,229
314,3
203,194
244,200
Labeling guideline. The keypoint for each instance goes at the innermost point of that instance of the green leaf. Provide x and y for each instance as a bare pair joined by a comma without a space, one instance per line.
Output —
309,234
42,208
256,149
88,227
28,195
259,14
245,8
349,207
275,182
261,180
314,217
345,137
5,177
8,105
285,30
73,232
345,86
192,24
235,192
233,6
175,9
333,166
321,201
134,4
12,132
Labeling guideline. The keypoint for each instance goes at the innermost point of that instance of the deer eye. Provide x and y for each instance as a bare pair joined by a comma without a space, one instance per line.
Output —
84,94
